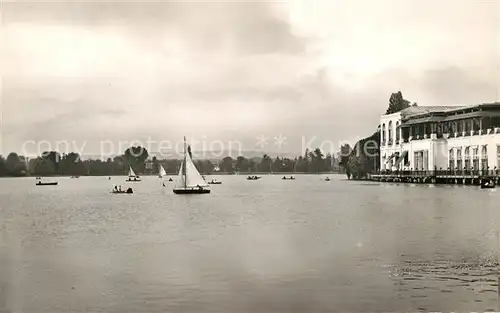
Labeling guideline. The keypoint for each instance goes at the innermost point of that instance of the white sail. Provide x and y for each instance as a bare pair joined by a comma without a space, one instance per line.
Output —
180,178
193,177
162,171
131,172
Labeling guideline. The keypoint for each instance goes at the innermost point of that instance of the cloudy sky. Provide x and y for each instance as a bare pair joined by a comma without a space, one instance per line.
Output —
92,71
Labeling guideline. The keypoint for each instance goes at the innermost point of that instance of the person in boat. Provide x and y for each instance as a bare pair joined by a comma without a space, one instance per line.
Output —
115,188
199,187
129,190
120,188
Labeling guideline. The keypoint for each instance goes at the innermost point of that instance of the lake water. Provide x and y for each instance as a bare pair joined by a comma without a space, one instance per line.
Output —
249,246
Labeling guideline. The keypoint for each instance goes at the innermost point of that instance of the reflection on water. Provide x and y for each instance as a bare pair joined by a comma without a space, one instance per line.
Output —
250,246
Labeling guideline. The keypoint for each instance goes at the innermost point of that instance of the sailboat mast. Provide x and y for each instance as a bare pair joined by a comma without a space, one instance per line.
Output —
184,163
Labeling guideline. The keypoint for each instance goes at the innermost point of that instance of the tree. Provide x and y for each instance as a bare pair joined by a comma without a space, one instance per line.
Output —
54,158
43,167
226,165
71,164
136,156
14,165
3,169
364,158
397,103
329,160
345,152
242,164
265,163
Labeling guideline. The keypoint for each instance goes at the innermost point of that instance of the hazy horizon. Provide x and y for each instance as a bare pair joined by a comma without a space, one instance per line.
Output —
90,72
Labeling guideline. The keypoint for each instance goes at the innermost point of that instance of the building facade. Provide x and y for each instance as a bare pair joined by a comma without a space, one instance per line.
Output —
424,138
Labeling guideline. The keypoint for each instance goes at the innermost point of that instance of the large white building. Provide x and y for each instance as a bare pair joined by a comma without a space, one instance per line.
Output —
441,138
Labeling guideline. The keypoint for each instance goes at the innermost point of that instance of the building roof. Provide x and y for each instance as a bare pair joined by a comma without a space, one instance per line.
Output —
417,110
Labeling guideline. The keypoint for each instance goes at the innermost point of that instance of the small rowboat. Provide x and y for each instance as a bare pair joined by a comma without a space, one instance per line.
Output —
46,184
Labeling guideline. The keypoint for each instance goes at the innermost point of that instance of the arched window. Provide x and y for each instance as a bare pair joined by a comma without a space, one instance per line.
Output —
467,158
398,131
459,159
451,159
383,133
484,157
389,132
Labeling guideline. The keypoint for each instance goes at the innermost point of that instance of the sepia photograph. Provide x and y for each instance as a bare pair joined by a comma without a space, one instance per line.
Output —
242,156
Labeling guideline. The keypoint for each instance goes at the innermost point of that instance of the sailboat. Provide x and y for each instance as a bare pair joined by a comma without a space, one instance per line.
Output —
162,172
132,177
189,179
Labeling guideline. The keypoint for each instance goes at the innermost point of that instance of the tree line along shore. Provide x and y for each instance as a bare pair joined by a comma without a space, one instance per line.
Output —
52,163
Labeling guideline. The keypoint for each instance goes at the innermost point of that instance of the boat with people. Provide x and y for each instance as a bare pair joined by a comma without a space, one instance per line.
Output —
253,177
189,179
132,177
288,178
170,179
161,172
39,183
214,182
75,176
42,183
327,179
487,184
118,190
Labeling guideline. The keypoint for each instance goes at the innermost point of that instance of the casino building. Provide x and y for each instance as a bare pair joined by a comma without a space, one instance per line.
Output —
426,138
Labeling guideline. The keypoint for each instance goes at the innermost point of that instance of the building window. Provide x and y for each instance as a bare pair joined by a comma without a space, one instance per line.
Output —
467,126
425,157
416,160
498,156
484,157
475,158
383,133
451,159
398,130
467,158
459,159
389,132
476,124
453,127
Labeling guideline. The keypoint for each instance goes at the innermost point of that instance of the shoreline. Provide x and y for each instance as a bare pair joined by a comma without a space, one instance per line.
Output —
175,174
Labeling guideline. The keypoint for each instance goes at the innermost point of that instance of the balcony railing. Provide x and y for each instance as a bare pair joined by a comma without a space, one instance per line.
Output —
422,173
495,130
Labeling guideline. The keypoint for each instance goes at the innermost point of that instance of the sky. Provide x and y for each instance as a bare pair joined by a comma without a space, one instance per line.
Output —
271,76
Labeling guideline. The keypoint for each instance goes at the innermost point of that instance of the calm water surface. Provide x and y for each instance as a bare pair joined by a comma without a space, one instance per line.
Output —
250,246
